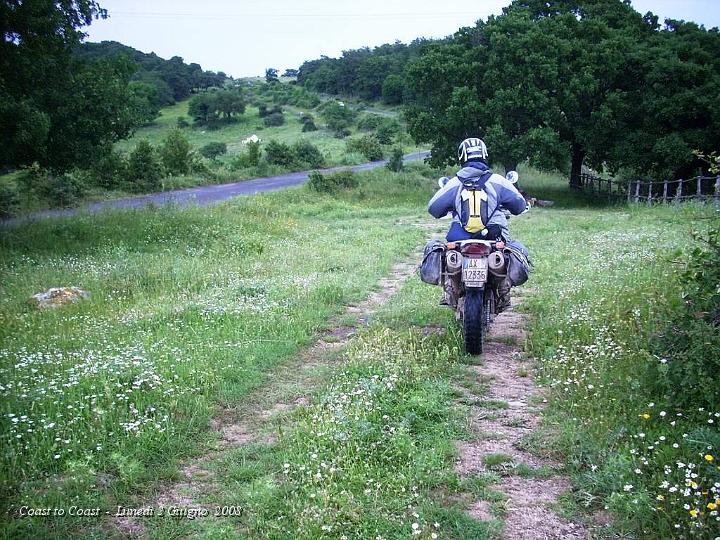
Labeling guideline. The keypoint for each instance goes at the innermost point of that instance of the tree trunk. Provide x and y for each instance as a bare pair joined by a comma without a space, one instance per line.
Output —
578,156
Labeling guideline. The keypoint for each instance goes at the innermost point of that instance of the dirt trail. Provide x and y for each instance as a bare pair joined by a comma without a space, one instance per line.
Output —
515,405
259,417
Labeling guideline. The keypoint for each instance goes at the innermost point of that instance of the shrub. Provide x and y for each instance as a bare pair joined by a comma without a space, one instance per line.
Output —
692,377
182,122
369,122
274,119
213,149
342,133
262,110
307,154
330,183
338,116
144,169
9,199
309,126
395,163
175,153
110,170
67,189
249,158
387,131
278,153
367,145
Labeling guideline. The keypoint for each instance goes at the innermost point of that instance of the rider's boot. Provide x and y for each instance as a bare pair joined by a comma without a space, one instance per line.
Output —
503,291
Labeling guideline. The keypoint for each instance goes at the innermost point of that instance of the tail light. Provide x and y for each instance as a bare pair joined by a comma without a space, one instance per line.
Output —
476,249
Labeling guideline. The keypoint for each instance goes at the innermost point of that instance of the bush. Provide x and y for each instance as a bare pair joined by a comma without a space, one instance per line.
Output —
249,158
213,149
309,126
367,145
395,163
330,183
144,169
369,122
278,153
692,378
9,199
182,122
338,117
342,133
175,153
110,170
274,119
307,154
67,189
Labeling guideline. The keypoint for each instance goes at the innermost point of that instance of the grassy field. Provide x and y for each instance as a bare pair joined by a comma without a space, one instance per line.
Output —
192,309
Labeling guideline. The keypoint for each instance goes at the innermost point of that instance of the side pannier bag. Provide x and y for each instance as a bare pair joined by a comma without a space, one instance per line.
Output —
519,265
432,263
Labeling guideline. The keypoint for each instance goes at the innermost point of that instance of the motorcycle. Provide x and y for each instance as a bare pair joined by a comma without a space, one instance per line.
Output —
473,277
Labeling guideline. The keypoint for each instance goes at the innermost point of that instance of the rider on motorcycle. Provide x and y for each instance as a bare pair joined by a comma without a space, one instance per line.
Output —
498,194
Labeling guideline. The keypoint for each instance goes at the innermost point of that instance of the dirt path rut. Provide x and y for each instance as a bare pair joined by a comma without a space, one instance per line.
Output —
501,418
259,417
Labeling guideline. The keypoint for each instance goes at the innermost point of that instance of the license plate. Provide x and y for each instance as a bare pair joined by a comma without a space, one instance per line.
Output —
475,271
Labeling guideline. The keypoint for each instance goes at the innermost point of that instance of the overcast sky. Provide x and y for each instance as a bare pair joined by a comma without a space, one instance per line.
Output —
243,37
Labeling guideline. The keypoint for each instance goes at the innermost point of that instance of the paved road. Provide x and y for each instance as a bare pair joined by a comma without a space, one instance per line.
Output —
205,194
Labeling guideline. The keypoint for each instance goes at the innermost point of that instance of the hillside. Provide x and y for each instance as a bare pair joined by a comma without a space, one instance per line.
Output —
174,79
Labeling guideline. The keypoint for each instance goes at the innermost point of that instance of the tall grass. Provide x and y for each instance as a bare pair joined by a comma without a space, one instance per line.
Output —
189,308
609,285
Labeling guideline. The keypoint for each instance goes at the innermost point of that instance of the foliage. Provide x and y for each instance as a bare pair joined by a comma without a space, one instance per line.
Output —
182,122
395,163
300,154
306,154
172,79
9,199
175,153
274,119
279,153
68,188
337,116
271,75
576,82
362,72
367,145
308,123
144,169
210,106
213,150
332,182
290,73
110,170
392,89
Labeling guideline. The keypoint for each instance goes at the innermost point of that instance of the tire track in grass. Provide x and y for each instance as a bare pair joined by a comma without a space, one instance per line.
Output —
259,417
500,419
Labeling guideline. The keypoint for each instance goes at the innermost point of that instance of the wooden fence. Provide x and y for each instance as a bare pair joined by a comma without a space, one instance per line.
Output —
700,188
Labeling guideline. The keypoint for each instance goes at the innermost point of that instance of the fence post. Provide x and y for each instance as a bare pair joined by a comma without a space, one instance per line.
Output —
678,193
717,190
637,191
649,199
629,191
699,187
665,190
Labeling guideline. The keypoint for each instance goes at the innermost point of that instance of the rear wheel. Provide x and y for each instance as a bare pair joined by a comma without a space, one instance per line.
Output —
473,321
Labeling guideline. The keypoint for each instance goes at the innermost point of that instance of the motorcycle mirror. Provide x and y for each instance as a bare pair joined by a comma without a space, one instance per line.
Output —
442,181
512,177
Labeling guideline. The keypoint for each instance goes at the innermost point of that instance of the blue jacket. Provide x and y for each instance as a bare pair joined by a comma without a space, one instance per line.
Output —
500,192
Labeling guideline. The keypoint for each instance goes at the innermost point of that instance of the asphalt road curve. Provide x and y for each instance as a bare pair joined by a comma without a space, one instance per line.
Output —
206,194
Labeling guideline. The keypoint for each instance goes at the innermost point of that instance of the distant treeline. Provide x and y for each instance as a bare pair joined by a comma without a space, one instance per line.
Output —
560,84
365,73
173,79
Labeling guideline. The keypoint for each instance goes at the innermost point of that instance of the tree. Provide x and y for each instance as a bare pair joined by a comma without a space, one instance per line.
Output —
54,109
175,153
144,169
271,75
392,89
290,73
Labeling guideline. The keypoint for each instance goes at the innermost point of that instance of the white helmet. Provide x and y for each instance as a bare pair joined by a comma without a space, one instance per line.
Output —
472,148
